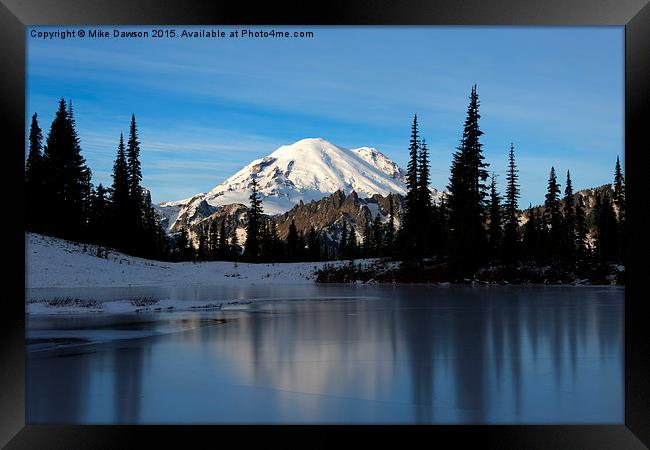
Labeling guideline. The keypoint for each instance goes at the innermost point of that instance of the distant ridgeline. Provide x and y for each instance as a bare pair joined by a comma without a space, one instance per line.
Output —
470,229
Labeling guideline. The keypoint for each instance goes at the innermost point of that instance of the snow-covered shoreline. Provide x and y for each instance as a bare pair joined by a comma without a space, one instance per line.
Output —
52,262
55,263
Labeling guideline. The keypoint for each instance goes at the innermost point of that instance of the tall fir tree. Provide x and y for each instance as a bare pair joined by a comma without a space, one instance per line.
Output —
619,190
53,162
67,179
411,214
553,217
79,176
467,193
120,224
511,211
426,240
34,176
134,171
619,202
569,224
252,247
495,232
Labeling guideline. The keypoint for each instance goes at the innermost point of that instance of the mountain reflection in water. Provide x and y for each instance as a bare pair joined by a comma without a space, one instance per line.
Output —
345,354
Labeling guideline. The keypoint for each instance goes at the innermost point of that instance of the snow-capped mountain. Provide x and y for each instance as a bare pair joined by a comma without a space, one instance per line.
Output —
307,170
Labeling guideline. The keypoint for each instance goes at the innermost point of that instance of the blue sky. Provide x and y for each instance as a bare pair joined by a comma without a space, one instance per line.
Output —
207,107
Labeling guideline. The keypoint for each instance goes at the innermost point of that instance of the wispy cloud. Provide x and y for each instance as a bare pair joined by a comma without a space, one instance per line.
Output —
207,107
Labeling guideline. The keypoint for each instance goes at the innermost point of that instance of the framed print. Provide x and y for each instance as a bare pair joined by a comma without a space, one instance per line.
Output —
388,219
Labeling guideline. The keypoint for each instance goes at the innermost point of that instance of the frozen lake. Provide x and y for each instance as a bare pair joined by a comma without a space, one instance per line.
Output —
333,354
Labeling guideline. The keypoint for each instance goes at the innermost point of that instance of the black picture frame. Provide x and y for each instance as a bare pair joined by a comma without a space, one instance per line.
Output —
15,15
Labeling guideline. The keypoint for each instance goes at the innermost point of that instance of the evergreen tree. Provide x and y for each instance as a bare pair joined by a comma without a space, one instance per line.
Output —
532,238
222,247
368,246
120,198
606,230
495,233
302,247
443,226
313,245
619,202
134,173
252,246
467,192
67,179
98,216
278,245
377,236
343,243
293,243
619,190
235,249
79,176
511,211
569,229
34,176
553,217
213,241
202,251
353,245
266,246
581,231
154,239
389,238
410,217
424,238
183,246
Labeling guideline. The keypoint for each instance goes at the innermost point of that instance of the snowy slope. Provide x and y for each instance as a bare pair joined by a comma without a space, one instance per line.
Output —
52,262
377,159
307,170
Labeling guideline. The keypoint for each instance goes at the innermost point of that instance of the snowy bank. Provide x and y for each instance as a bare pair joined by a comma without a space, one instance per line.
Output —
52,262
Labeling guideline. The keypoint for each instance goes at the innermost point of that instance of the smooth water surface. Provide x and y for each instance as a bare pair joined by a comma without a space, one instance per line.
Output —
335,354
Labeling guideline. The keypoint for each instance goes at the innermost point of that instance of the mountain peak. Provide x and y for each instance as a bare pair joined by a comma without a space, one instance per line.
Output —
306,145
308,169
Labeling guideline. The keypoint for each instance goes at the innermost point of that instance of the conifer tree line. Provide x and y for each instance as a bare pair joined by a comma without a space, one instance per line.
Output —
58,180
262,243
474,225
